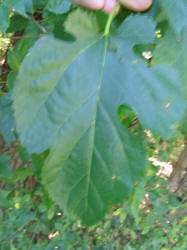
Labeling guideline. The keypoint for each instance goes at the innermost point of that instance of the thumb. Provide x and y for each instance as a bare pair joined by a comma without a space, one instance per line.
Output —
137,5
91,4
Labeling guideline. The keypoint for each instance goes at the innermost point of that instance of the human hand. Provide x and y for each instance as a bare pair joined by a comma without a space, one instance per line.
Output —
108,5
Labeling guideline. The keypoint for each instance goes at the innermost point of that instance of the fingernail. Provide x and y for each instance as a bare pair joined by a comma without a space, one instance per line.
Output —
109,5
137,5
142,4
96,4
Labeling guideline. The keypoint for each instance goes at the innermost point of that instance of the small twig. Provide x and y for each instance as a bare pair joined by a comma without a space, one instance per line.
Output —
20,37
43,30
31,18
134,123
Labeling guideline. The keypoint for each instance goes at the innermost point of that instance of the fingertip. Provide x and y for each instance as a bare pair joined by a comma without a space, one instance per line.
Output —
95,5
109,5
137,5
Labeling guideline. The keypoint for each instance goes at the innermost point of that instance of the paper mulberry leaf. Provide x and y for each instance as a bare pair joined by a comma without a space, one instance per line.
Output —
94,152
66,98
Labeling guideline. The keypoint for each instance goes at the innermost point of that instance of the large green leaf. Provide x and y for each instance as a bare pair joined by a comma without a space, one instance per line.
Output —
66,99
176,12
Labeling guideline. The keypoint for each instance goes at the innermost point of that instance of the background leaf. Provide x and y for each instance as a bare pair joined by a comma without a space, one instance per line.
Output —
176,12
58,6
21,48
5,170
21,6
7,124
4,21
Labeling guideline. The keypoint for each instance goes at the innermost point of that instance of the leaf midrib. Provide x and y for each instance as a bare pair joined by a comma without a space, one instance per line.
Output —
95,119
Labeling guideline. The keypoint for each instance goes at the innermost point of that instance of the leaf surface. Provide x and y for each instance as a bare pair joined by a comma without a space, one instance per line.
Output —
5,170
173,52
154,93
54,57
20,50
58,6
20,6
176,12
7,124
4,21
67,100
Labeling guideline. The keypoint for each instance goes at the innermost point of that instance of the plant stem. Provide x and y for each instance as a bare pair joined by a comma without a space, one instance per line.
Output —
20,37
110,19
31,18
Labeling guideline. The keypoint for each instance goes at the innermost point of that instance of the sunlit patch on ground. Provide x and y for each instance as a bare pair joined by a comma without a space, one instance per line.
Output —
53,235
165,169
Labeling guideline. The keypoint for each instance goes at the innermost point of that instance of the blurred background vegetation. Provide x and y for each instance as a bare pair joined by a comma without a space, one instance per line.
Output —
152,218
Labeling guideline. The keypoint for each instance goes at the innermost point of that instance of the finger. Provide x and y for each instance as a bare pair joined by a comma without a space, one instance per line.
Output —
91,4
137,5
109,5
